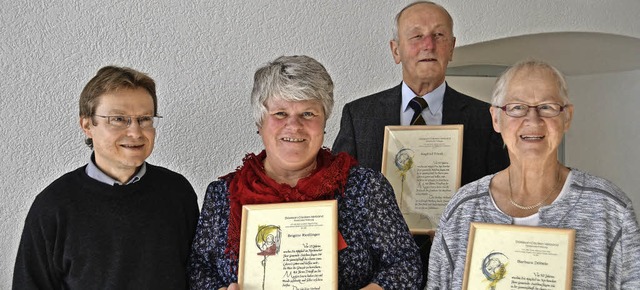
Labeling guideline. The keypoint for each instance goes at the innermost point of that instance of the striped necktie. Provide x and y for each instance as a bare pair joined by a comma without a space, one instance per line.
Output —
418,104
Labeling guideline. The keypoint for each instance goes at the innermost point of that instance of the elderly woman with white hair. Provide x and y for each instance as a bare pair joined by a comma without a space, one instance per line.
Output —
532,112
292,99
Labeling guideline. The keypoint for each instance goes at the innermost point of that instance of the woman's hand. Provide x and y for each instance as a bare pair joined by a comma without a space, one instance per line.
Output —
372,286
233,286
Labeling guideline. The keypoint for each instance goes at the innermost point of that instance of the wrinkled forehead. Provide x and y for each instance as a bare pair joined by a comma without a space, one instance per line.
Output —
422,12
533,84
126,100
291,102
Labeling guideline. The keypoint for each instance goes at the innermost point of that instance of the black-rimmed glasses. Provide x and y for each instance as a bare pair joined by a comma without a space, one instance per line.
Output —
519,110
123,122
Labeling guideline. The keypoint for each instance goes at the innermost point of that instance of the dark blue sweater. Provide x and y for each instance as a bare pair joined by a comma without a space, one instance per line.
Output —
84,234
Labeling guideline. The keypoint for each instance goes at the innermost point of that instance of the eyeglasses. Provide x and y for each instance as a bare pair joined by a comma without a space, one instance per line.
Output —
519,110
123,122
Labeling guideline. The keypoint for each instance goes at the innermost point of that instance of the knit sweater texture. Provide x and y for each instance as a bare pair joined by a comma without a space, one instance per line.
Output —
84,234
607,241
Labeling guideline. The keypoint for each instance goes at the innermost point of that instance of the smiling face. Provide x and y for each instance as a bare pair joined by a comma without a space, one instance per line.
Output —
532,136
424,46
119,152
292,133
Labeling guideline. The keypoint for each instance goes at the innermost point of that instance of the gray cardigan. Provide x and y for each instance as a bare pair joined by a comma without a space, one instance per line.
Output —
607,247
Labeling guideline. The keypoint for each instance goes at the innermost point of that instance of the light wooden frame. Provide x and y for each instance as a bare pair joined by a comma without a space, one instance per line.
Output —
306,230
509,256
413,160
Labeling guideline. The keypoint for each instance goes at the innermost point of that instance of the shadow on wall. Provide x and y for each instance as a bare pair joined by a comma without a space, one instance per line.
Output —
476,66
573,53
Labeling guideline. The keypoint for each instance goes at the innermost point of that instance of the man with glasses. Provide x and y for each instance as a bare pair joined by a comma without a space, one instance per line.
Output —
117,222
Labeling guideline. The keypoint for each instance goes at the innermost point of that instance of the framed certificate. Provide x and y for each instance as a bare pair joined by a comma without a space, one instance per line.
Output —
518,257
423,165
289,246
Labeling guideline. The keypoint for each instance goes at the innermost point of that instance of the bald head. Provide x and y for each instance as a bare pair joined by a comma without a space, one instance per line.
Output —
408,7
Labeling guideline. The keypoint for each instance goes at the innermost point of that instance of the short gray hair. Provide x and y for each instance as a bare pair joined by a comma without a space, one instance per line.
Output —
397,18
500,88
291,78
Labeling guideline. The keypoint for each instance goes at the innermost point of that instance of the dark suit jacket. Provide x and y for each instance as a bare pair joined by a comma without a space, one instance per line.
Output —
363,121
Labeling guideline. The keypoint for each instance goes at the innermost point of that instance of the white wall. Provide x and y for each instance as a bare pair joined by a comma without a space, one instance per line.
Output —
203,54
605,135
478,87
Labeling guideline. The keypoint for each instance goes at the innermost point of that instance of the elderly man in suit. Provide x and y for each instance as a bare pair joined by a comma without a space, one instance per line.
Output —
423,43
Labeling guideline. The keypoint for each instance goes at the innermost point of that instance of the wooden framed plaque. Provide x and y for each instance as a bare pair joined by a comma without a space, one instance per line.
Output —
289,246
423,165
518,257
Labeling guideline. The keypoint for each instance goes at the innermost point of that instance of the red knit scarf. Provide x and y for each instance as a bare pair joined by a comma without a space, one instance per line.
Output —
251,185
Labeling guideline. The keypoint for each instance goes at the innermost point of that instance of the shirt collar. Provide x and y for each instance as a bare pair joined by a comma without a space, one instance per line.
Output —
433,98
94,172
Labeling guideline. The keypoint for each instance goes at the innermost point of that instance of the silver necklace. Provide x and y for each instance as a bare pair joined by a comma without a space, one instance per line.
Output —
537,205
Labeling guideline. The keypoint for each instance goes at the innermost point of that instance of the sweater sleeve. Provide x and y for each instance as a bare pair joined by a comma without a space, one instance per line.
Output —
209,268
630,251
439,271
391,243
35,267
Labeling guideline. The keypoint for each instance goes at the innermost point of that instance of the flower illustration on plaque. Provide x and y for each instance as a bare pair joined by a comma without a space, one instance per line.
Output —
494,268
268,242
404,163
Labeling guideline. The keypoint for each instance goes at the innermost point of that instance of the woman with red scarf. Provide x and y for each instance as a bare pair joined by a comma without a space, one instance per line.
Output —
292,99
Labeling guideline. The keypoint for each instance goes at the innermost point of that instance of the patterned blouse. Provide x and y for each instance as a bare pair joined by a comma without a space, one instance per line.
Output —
379,249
